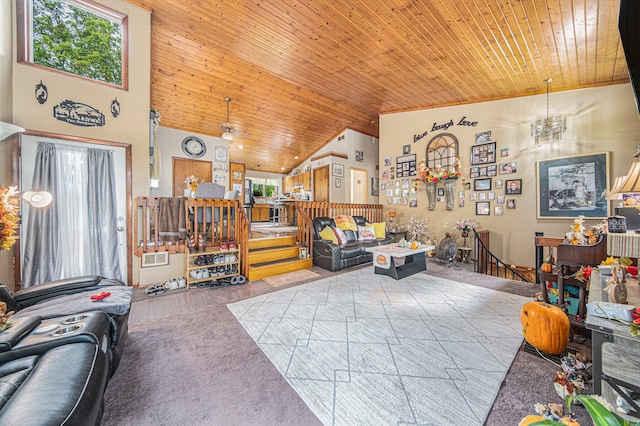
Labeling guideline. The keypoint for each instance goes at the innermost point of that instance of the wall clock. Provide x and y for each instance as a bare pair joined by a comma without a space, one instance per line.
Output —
193,147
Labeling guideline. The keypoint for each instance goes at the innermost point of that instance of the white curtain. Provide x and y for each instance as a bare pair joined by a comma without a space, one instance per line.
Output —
77,233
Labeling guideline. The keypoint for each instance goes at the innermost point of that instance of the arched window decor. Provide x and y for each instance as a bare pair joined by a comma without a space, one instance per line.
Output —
442,164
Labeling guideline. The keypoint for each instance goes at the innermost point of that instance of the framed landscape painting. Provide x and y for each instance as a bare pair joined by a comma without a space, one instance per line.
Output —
573,186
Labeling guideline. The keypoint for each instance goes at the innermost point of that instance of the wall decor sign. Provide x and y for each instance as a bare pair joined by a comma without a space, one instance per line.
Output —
42,94
569,187
359,156
338,170
338,182
483,153
78,114
464,122
115,107
221,154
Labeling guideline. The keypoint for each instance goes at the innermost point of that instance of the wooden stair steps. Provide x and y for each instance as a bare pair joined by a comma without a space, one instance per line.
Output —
277,267
274,256
258,243
263,255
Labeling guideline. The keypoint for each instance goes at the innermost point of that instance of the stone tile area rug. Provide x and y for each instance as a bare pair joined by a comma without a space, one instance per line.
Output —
364,349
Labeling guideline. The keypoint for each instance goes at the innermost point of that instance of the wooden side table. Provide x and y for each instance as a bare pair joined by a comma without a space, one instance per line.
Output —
465,253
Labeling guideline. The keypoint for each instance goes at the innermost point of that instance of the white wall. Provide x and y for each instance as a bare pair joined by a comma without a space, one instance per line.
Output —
170,142
131,126
351,142
599,119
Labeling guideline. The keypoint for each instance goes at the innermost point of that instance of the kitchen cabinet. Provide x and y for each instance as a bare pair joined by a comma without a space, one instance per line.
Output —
260,212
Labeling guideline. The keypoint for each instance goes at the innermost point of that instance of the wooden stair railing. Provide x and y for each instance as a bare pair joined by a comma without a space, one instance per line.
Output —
305,235
487,263
313,209
237,229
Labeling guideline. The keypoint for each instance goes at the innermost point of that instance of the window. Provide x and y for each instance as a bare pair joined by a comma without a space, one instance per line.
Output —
79,37
442,151
264,187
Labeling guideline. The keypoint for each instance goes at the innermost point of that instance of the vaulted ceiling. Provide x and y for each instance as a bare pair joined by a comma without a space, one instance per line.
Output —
300,72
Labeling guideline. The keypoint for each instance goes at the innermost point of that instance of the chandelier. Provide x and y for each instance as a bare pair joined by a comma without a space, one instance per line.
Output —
549,129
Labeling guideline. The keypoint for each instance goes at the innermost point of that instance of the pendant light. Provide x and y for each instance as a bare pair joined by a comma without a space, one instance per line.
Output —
227,126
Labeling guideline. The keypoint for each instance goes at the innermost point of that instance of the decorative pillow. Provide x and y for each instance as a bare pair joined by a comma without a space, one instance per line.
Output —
346,223
328,235
366,233
342,238
379,229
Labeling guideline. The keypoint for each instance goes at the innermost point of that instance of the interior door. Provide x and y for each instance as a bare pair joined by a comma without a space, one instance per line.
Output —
183,167
358,186
321,184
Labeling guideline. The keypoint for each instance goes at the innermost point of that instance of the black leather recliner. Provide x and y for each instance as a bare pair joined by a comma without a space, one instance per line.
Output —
54,292
54,372
334,257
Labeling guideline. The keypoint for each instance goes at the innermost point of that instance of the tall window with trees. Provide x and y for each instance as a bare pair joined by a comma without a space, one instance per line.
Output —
74,36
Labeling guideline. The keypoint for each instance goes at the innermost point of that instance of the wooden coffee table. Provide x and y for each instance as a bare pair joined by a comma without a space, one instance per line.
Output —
414,259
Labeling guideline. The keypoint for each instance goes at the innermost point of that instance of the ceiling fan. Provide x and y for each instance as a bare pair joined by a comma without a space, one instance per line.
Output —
227,126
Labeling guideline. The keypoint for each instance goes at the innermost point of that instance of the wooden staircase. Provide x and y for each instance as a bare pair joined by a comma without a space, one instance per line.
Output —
274,256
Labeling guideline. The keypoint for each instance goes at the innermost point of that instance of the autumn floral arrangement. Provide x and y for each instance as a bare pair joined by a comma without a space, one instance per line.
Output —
579,234
192,183
437,173
9,216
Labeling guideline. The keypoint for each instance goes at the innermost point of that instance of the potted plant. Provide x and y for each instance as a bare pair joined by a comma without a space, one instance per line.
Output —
600,415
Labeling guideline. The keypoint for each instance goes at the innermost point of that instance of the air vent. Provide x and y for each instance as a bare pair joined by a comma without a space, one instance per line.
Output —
155,259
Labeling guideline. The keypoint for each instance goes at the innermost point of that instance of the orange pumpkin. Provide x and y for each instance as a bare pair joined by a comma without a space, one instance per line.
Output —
546,267
546,327
531,419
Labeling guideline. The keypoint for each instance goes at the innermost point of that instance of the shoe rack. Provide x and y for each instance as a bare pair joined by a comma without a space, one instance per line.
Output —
220,265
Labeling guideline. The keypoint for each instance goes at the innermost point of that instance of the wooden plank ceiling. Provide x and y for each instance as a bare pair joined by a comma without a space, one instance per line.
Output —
300,72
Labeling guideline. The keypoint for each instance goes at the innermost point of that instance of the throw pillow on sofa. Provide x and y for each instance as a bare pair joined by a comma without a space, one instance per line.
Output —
328,234
366,233
340,234
346,223
379,229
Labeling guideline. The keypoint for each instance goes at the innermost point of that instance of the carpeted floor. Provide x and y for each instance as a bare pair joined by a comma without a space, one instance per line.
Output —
362,348
189,361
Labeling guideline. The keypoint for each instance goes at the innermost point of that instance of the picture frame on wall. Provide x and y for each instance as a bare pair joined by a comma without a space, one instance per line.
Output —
474,172
338,182
507,168
338,170
483,208
573,186
482,184
483,154
513,186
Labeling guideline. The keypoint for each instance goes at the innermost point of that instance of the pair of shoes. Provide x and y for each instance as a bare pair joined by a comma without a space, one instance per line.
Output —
232,245
154,290
224,245
191,242
182,283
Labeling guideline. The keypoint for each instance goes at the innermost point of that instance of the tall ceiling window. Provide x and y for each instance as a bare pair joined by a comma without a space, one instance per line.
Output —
74,36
